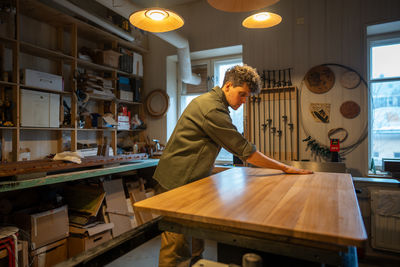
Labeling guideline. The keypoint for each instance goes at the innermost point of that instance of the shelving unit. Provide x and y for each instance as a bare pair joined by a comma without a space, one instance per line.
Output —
62,54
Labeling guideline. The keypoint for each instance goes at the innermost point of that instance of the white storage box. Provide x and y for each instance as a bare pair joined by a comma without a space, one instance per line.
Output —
126,95
39,109
123,123
40,79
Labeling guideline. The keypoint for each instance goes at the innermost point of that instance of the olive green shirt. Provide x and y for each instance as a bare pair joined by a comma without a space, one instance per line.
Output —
204,127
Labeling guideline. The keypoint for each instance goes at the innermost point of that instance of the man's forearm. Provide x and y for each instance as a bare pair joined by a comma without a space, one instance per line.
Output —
260,160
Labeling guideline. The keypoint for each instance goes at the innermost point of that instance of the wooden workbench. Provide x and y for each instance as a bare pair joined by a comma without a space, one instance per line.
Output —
268,210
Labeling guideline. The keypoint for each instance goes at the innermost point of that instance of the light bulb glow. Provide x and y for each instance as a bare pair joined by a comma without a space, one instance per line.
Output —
156,14
261,16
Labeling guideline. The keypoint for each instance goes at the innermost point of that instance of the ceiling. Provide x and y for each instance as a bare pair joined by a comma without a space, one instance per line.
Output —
160,3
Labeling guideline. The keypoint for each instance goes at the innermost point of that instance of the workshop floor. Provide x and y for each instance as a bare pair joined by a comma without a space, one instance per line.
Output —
146,255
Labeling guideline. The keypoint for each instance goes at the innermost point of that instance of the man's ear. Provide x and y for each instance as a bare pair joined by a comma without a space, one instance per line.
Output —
227,85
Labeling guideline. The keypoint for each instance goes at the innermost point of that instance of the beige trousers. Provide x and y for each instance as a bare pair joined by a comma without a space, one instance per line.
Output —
178,250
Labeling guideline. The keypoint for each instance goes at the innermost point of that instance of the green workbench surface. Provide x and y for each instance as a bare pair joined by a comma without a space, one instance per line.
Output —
77,175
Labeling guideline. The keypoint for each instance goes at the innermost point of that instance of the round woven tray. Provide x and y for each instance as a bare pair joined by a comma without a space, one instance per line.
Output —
320,79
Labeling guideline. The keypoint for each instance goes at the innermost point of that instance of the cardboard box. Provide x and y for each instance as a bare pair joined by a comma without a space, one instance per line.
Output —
44,227
116,206
108,57
39,109
50,255
40,79
82,239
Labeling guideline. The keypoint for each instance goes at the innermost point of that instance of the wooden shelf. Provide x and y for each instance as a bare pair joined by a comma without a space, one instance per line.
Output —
8,42
46,128
70,34
101,98
121,101
44,52
98,67
45,90
94,66
96,129
78,175
42,12
131,130
7,83
131,75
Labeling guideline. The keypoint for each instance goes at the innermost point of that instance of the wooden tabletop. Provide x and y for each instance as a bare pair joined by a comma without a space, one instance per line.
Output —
320,207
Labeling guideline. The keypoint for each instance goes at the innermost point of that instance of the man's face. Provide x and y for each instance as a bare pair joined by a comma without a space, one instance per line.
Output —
236,96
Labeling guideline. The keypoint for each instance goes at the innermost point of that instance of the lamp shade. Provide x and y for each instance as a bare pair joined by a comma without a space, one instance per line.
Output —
262,20
240,5
156,20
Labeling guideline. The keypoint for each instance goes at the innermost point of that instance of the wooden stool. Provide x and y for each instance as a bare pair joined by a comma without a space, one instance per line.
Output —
9,241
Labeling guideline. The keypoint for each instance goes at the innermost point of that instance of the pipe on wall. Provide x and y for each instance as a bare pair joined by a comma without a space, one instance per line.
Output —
108,26
125,9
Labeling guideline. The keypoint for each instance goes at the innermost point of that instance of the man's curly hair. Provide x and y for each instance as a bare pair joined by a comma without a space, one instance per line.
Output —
244,74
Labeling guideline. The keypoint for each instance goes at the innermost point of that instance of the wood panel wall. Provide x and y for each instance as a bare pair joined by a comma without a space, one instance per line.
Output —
312,32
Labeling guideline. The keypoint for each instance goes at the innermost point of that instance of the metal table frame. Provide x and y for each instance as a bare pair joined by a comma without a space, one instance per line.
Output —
286,246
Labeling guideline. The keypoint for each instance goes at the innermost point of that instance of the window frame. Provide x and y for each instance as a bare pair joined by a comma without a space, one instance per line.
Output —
376,41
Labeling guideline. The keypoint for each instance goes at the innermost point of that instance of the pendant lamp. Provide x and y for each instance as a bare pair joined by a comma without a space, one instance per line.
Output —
262,20
156,20
240,5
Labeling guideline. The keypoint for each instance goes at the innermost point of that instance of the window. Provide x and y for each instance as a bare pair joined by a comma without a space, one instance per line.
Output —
212,72
384,84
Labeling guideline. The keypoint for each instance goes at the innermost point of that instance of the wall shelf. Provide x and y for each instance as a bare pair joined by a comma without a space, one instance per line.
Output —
78,175
7,83
44,90
46,128
121,101
43,52
60,57
96,129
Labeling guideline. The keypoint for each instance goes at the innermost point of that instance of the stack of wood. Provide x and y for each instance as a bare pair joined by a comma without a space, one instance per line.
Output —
96,86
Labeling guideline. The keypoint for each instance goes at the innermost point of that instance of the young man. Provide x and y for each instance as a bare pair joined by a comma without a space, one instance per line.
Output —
204,127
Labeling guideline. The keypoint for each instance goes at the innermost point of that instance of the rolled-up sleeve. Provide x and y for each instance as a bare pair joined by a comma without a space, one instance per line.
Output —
219,127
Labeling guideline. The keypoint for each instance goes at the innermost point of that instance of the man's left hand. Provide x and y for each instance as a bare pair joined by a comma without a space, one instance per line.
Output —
293,170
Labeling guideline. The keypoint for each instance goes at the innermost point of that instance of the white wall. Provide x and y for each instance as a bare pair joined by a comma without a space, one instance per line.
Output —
333,31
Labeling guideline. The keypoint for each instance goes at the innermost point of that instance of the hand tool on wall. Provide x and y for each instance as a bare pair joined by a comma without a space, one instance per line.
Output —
284,118
269,79
289,83
263,78
279,78
279,120
273,128
283,82
290,124
269,121
259,120
273,79
264,124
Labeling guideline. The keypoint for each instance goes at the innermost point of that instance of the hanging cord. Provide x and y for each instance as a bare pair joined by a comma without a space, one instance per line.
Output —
347,149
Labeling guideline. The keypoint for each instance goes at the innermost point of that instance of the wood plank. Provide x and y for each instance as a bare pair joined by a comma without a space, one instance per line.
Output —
48,165
77,175
320,207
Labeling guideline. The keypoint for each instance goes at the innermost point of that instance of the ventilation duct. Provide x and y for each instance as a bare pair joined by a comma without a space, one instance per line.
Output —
106,25
125,9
